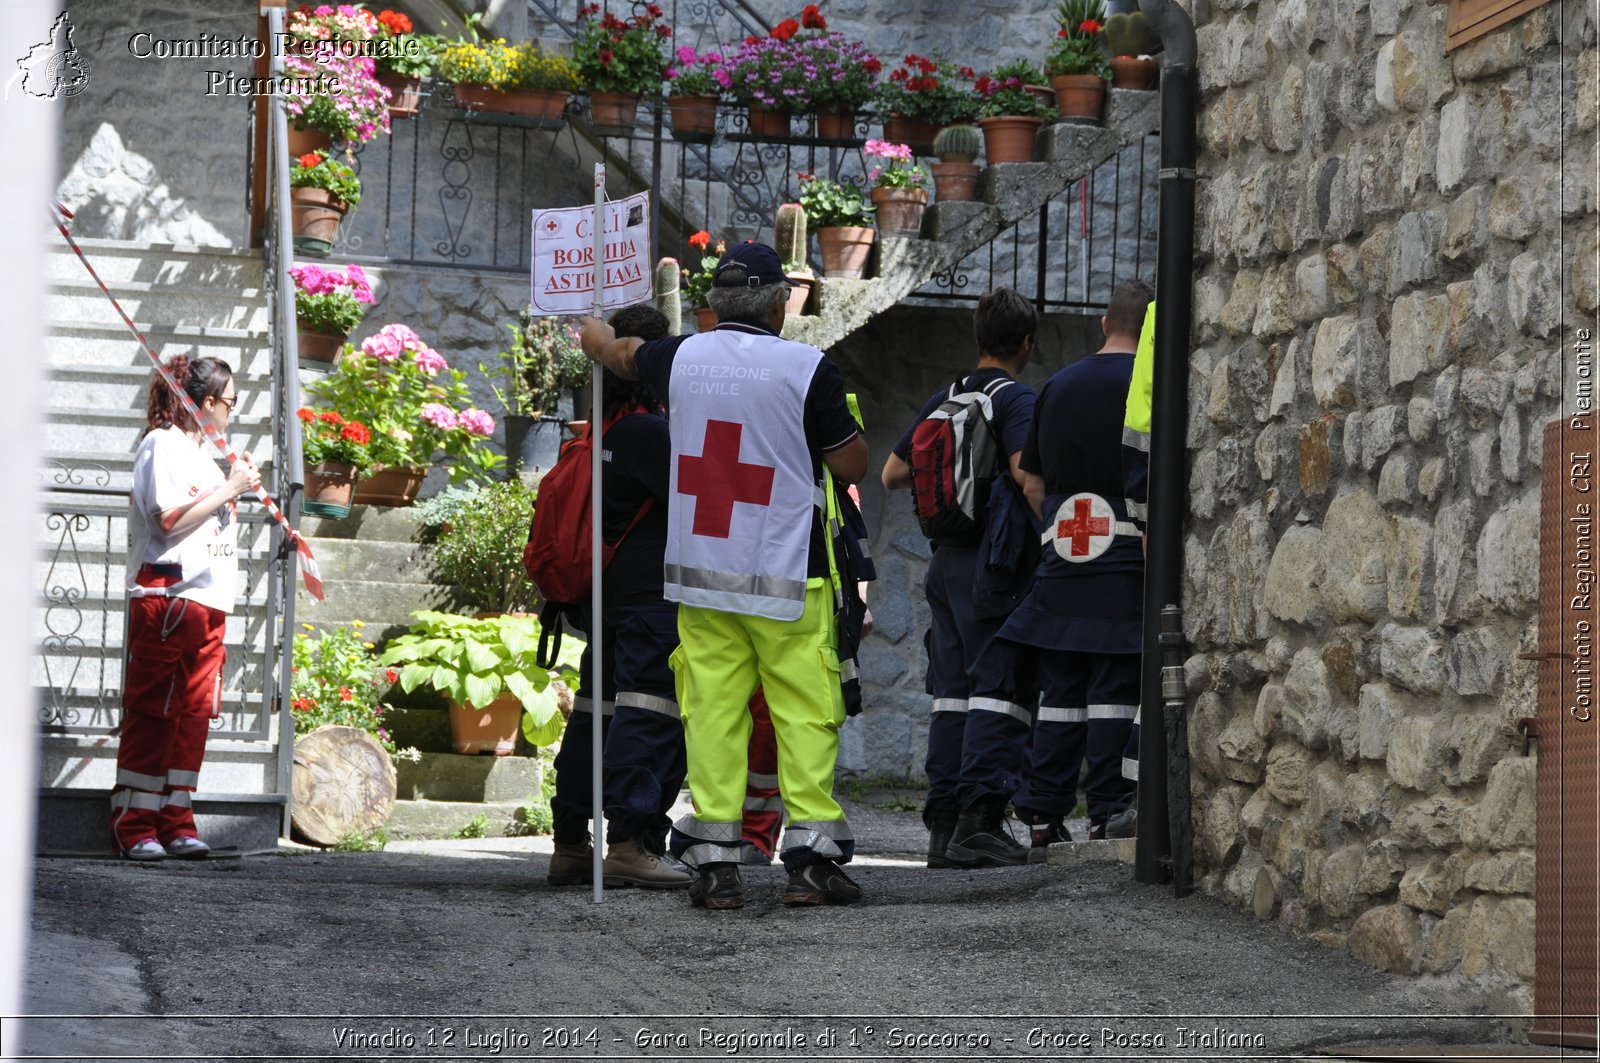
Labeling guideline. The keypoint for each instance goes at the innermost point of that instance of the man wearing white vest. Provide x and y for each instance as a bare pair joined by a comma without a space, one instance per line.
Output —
754,420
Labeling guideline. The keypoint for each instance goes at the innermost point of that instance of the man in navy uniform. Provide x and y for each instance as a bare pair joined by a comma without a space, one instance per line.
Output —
1076,637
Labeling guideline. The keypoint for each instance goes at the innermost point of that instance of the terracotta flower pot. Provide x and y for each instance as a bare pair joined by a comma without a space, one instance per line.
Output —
765,122
840,125
800,285
900,210
317,214
846,250
319,346
614,110
1129,72
1079,95
405,94
329,487
527,103
491,728
397,486
1043,93
705,319
694,118
954,182
301,141
899,129
1009,138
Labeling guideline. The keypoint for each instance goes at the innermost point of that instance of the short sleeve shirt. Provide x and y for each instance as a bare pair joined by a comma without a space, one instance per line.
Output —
829,424
1013,410
171,471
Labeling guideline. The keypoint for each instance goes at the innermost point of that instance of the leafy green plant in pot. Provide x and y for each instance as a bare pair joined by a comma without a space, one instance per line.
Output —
541,362
1077,65
480,552
843,220
487,669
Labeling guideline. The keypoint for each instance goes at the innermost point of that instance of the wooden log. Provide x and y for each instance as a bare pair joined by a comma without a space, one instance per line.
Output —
344,784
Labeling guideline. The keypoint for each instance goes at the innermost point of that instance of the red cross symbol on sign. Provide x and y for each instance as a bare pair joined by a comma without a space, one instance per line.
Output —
552,226
1084,527
717,479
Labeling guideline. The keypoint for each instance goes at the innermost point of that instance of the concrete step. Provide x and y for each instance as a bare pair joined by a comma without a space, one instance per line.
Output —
75,762
446,819
379,560
383,605
85,429
127,387
77,822
89,343
173,304
108,470
395,524
120,262
453,777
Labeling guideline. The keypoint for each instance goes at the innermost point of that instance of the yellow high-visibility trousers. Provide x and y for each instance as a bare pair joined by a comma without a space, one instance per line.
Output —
721,659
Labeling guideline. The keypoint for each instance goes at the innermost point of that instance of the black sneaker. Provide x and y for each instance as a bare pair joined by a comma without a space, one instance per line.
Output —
717,887
1124,824
1044,835
982,840
820,882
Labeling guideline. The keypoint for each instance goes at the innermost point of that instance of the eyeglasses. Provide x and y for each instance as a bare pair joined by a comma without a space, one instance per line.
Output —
229,403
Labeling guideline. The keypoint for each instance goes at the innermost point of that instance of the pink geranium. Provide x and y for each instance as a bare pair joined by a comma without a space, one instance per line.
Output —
438,415
430,361
476,421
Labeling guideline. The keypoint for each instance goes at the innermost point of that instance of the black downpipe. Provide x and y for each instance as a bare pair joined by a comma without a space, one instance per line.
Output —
1164,850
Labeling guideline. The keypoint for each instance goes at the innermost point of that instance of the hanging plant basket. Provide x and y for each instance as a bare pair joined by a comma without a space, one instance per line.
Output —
898,129
1009,138
317,214
1079,96
330,487
405,94
765,122
527,103
846,250
396,486
838,125
319,346
305,141
899,210
615,112
694,118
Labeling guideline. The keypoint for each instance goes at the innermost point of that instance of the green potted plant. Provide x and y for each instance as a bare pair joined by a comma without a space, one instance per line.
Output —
336,453
1034,81
1076,64
521,79
487,669
695,80
898,195
321,191
541,362
1010,119
619,60
406,57
338,682
843,220
1131,41
841,77
955,175
315,60
417,408
480,552
327,307
695,284
921,96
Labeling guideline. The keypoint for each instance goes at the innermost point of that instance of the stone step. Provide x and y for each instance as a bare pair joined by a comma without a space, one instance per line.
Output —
127,387
173,304
77,822
377,560
79,762
108,470
119,262
446,819
80,343
86,429
384,606
395,524
452,777
1107,850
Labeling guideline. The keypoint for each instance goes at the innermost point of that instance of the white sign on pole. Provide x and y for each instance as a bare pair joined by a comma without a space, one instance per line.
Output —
563,257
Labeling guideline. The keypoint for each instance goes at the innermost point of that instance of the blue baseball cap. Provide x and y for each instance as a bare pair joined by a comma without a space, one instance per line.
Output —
748,265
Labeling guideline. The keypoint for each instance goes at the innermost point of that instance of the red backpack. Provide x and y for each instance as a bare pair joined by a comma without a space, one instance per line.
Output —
560,553
954,458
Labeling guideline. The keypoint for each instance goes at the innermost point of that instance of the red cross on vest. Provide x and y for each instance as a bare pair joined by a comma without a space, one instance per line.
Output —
1083,527
717,479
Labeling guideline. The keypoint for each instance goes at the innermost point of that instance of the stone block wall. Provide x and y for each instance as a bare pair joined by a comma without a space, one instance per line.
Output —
1385,234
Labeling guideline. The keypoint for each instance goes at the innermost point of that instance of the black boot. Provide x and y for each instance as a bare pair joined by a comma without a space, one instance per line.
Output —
981,838
941,824
1044,835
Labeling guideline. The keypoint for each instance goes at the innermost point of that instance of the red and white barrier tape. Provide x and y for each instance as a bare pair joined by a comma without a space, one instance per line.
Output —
308,563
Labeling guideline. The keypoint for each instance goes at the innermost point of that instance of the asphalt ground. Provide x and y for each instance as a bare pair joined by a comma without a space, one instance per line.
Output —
458,950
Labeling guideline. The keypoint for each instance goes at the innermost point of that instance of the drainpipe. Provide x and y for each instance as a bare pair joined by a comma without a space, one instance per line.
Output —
1165,846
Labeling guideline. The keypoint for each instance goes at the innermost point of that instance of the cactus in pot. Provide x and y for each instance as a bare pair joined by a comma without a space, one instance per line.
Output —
958,143
955,175
667,296
1128,34
789,238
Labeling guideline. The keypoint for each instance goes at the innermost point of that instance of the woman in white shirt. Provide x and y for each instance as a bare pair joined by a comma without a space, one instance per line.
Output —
182,579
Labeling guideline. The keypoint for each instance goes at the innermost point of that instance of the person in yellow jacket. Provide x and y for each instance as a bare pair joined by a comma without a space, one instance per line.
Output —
757,423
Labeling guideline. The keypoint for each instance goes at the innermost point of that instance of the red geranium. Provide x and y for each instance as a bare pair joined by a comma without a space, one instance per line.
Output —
346,694
700,240
873,65
306,415
811,18
786,29
1088,25
310,159
395,22
330,417
391,675
355,432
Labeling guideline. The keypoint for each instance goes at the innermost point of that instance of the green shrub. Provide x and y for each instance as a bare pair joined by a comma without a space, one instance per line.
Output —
481,553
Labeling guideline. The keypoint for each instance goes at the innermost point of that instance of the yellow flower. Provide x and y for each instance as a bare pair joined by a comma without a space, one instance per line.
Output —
357,623
308,627
369,645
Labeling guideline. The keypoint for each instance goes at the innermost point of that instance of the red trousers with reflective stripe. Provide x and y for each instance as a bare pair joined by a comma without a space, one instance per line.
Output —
762,826
171,691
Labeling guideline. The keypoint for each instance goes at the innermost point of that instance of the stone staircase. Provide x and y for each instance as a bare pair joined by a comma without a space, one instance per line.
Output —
99,379
1008,193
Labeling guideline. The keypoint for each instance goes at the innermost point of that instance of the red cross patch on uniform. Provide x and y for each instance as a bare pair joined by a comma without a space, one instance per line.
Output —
1083,528
716,479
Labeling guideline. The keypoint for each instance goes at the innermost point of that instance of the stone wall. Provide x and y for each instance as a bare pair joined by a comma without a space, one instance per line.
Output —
1377,346
893,364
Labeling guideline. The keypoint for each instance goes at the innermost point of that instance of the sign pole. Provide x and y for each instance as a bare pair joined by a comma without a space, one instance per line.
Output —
596,407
